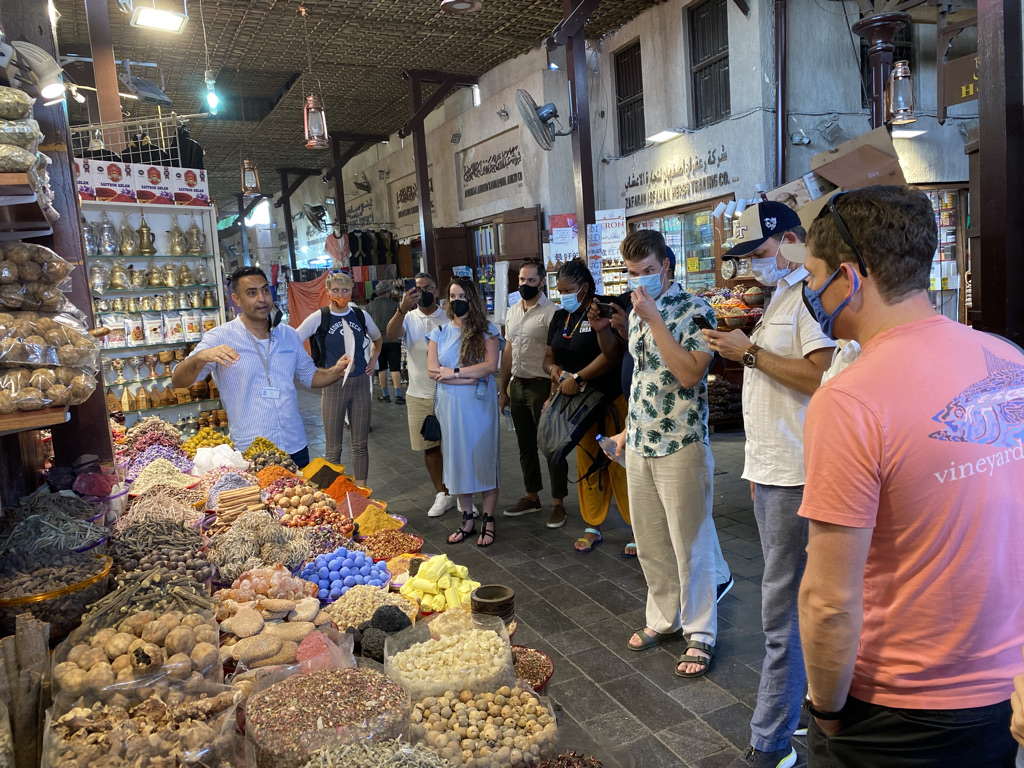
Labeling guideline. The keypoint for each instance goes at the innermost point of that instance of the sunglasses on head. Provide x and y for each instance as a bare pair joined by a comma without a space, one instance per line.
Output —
844,233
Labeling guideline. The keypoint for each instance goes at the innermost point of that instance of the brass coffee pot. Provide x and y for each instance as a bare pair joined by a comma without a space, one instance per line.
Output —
147,239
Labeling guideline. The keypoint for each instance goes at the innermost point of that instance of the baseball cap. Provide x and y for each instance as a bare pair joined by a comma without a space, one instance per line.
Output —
757,223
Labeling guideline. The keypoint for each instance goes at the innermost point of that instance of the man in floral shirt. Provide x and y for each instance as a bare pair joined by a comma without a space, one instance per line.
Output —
668,462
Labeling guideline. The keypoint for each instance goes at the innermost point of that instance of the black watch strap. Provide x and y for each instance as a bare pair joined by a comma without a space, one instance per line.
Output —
821,715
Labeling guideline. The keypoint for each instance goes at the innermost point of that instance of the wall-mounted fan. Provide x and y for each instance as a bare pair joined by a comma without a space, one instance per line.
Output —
540,120
362,183
316,215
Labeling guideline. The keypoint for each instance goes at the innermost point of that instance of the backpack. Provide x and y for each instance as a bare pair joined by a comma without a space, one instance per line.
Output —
318,341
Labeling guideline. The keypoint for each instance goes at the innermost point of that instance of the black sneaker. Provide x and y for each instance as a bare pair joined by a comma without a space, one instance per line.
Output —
723,589
805,719
399,400
384,399
754,758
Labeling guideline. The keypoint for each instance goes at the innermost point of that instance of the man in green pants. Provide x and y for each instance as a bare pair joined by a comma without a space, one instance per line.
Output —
525,388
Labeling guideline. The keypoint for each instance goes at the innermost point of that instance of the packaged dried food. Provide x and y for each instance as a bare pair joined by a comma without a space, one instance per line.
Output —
192,321
20,133
134,333
116,339
16,159
15,104
153,325
174,328
210,321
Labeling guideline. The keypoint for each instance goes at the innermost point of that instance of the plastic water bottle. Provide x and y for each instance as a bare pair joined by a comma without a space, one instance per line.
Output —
608,446
509,424
481,389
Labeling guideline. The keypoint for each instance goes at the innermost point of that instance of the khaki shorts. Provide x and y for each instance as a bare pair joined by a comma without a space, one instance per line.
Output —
418,408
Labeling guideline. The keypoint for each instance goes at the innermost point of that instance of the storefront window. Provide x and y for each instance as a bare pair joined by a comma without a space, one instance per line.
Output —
691,237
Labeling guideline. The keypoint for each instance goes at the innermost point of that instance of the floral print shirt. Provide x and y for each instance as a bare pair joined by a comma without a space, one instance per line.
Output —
665,416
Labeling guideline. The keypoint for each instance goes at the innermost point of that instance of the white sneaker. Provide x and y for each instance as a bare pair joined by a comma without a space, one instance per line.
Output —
442,503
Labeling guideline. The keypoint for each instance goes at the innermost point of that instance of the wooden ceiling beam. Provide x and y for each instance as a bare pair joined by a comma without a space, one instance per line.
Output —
287,190
437,76
571,24
428,106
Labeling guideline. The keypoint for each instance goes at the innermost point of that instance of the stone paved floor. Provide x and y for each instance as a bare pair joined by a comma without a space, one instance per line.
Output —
581,609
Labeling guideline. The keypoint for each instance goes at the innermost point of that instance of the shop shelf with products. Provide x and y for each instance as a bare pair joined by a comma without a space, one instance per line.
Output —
948,267
487,243
22,208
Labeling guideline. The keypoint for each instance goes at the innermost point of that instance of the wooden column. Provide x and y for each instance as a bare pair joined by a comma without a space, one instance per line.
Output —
289,228
998,271
88,430
419,150
104,70
582,151
339,185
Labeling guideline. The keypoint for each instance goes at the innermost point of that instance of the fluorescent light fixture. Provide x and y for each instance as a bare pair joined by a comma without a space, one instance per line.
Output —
164,19
907,133
663,136
476,95
552,65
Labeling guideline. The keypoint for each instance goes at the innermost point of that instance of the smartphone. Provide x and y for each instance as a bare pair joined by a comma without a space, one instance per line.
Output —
702,322
605,310
410,283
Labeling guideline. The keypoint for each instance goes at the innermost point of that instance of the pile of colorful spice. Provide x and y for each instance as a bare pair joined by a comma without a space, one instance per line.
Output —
340,571
151,430
275,582
374,519
160,451
262,445
531,665
369,754
324,539
360,603
56,530
159,503
385,545
137,542
341,487
267,476
208,479
356,702
160,472
571,760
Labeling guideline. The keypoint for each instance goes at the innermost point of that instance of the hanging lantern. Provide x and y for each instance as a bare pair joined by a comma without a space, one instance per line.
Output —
250,178
315,122
900,95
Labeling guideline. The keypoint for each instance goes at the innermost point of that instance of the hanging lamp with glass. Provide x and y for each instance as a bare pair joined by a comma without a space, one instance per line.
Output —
314,119
900,95
250,178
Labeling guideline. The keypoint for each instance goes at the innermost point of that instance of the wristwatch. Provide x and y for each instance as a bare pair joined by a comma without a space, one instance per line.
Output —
821,715
456,371
580,381
749,358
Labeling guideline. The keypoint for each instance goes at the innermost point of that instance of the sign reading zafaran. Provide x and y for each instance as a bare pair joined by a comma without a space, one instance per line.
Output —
490,170
676,180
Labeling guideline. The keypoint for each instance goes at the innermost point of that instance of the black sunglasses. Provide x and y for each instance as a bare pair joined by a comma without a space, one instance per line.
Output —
843,231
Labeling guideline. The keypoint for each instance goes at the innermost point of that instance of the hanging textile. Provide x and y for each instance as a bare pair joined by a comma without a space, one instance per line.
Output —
306,298
141,150
337,247
190,152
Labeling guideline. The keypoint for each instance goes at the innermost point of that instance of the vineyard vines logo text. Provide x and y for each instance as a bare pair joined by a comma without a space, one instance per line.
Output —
982,466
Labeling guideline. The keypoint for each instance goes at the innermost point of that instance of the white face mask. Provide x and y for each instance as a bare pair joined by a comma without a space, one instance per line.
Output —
766,271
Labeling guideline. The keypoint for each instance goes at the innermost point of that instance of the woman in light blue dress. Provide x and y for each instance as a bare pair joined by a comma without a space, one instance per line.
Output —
462,357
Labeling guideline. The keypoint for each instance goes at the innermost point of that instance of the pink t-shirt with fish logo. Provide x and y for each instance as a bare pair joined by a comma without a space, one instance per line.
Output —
922,439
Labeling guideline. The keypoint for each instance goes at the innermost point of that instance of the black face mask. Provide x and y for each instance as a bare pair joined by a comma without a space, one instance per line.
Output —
426,299
529,291
460,307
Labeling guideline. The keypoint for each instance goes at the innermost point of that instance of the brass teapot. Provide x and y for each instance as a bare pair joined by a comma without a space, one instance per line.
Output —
147,240
177,245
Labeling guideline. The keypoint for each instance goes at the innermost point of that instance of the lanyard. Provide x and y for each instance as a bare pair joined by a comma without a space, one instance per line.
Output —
259,353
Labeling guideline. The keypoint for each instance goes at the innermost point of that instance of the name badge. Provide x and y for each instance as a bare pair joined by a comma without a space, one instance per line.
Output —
272,393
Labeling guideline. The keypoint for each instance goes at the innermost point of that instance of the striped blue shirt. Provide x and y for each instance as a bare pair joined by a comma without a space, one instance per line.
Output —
250,415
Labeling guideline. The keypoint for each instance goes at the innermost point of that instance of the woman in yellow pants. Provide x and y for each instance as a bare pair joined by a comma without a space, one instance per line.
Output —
574,361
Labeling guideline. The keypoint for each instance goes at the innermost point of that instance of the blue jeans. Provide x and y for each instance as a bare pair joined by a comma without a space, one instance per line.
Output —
784,543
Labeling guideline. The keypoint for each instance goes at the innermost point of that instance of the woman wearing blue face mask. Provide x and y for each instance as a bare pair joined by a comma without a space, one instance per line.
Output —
574,361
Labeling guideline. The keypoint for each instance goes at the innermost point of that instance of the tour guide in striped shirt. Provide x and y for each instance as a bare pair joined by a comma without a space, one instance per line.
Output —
255,367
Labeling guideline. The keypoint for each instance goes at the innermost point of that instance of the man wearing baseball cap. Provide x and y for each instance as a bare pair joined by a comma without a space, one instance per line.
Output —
785,356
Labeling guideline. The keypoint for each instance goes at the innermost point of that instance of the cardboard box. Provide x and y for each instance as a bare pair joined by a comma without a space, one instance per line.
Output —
153,184
861,162
189,186
84,179
113,182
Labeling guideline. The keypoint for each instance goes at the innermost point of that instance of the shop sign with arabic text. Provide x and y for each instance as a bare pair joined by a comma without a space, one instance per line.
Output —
677,180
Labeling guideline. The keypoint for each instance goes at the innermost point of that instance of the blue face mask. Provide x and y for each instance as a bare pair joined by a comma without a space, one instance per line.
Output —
651,282
571,302
812,300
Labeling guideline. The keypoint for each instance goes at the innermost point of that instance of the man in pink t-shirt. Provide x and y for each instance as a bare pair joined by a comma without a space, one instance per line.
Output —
912,603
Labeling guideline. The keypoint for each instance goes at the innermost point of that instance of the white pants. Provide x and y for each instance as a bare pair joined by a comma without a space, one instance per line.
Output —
670,499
